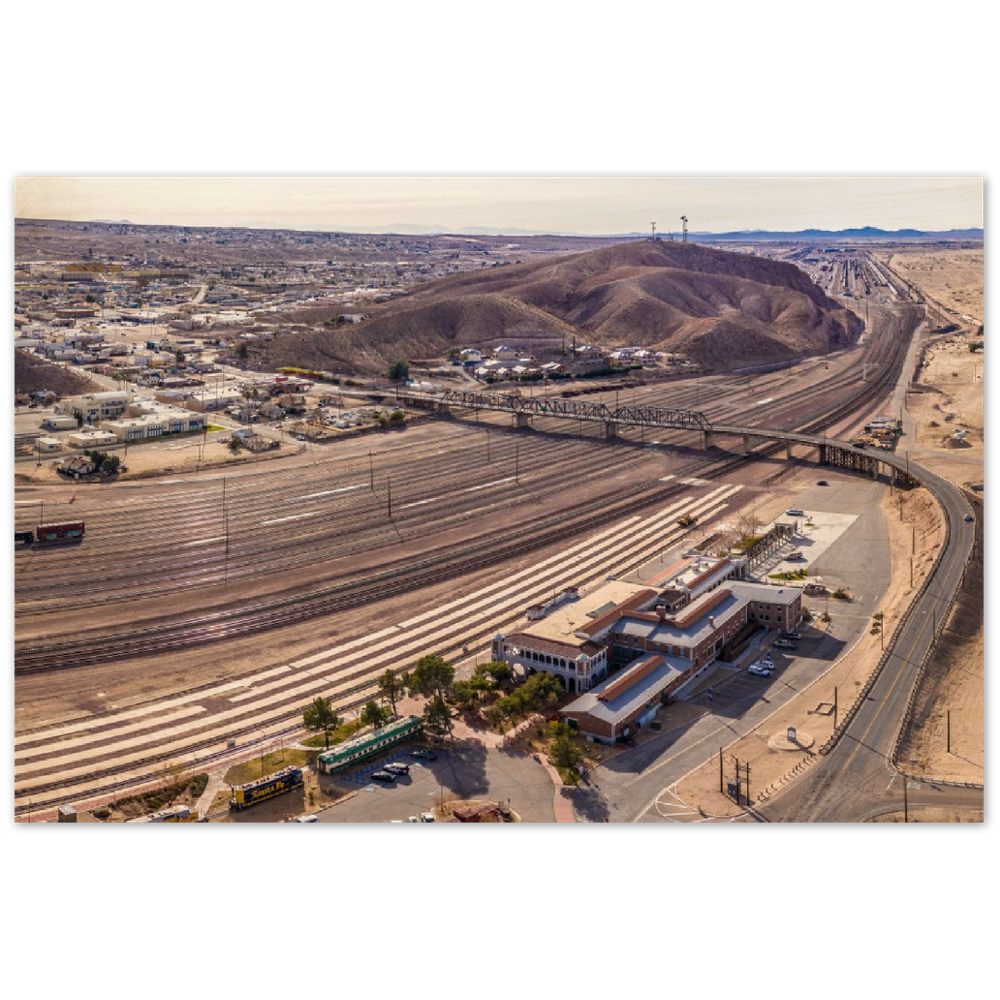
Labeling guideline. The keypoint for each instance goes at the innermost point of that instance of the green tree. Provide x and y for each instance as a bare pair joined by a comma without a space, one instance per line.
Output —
431,677
564,751
465,695
321,716
111,463
541,690
499,714
390,687
235,444
500,671
399,370
373,714
437,717
482,683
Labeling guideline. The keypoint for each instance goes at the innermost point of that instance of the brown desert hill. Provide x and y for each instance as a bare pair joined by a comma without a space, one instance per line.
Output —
723,309
34,374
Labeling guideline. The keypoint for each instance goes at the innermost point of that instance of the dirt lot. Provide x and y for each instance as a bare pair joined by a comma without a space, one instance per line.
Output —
949,278
951,380
182,456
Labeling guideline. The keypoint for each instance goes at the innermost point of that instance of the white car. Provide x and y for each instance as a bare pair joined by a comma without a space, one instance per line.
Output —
306,819
758,671
427,817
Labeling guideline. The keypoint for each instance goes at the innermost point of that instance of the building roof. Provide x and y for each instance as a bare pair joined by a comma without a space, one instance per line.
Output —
605,621
564,623
692,628
615,699
569,648
694,572
765,592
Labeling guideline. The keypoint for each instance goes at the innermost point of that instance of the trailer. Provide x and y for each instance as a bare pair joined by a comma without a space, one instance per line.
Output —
71,532
172,814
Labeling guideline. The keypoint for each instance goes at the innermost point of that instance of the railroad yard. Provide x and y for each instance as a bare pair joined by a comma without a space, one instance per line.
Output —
208,605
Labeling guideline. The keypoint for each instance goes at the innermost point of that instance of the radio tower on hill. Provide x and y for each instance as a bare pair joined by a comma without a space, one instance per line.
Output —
684,219
653,224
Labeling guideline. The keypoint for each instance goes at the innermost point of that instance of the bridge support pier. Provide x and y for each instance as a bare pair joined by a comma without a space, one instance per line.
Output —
746,444
823,459
706,440
788,451
610,429
522,421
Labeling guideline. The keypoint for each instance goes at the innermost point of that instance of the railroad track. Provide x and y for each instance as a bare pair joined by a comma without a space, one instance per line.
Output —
84,650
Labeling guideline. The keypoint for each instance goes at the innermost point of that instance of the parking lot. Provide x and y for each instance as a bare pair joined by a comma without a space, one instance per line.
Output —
468,771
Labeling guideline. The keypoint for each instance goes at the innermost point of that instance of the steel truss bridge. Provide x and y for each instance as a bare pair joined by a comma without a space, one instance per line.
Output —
522,409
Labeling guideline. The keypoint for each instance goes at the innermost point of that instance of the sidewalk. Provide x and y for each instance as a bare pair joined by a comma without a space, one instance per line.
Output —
216,782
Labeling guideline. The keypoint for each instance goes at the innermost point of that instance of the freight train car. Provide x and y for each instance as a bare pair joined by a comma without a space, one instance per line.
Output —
253,792
72,532
28,537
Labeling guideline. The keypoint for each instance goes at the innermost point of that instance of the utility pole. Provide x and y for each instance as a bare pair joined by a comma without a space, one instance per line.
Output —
517,466
834,709
371,473
722,786
906,809
949,730
389,485
225,531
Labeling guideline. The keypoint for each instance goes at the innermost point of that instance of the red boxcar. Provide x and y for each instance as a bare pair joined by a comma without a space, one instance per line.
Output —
60,532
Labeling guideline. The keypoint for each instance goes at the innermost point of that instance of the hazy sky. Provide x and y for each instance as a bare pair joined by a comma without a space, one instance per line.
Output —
591,205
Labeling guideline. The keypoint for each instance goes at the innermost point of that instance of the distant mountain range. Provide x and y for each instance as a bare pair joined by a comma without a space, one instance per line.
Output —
865,233
801,235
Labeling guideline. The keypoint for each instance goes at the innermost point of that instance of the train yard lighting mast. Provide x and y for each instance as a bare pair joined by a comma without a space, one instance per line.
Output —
653,224
684,220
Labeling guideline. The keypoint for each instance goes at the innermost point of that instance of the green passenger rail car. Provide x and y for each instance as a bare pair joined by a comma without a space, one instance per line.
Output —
362,747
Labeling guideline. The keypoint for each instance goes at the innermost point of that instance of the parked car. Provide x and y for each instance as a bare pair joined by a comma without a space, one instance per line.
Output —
822,482
412,819
395,768
969,517
386,777
758,671
789,635
427,817
306,819
784,644
795,512
424,755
